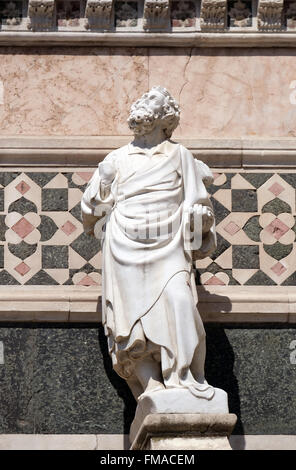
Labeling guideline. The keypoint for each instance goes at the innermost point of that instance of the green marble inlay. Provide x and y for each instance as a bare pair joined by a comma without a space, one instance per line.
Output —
244,200
256,179
252,228
278,250
245,256
58,379
276,207
260,279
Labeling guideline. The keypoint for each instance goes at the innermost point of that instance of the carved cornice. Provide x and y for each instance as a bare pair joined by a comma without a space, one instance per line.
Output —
156,14
151,39
98,14
16,151
213,15
218,23
270,15
40,13
224,304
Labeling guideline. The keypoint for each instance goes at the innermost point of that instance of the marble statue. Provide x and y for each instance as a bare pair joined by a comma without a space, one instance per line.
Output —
148,205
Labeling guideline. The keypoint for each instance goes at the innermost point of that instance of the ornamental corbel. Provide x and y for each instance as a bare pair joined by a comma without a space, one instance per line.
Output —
98,14
40,14
213,15
270,15
156,14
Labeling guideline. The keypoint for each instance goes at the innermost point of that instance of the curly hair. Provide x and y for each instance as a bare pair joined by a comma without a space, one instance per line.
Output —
170,115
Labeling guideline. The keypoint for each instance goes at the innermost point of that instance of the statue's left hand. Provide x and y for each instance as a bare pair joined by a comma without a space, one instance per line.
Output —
207,219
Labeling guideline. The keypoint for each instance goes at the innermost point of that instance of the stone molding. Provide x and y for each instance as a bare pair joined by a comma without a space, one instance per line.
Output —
218,304
158,431
142,39
270,15
120,442
84,151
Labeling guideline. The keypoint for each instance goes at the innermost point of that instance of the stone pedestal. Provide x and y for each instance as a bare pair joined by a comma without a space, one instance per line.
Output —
185,432
175,419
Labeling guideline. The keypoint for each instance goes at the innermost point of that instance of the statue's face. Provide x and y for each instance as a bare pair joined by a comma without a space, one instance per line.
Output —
145,112
153,100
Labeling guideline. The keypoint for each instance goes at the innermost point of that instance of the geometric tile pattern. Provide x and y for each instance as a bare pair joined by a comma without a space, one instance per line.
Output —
41,237
256,228
42,240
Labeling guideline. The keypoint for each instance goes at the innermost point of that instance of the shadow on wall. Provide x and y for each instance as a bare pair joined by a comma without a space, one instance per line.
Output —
218,368
119,384
220,359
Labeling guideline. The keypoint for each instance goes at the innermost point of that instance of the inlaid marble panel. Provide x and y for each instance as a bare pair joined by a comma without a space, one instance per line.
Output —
42,240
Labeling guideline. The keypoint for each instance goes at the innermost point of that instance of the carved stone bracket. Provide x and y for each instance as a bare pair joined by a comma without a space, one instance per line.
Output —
270,13
40,14
213,15
156,14
98,14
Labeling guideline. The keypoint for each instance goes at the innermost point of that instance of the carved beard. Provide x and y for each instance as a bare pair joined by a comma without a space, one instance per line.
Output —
141,119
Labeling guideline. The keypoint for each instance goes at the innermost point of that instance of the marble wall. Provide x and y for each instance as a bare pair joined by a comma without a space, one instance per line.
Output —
223,92
59,379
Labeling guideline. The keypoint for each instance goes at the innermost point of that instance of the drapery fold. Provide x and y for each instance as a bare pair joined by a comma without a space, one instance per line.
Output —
145,224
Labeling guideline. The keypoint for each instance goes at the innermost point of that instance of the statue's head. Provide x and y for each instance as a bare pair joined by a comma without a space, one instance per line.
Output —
155,108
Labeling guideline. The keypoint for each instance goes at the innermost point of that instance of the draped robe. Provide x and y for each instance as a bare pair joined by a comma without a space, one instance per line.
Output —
149,294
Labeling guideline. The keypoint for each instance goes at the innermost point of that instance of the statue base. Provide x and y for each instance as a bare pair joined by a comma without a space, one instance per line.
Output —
185,432
176,419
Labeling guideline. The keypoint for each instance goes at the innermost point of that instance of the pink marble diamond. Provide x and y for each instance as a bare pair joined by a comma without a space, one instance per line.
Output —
22,187
278,269
231,228
277,228
276,189
87,281
22,268
214,281
22,227
68,228
85,175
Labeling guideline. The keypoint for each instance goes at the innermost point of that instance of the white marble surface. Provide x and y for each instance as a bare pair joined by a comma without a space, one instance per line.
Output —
177,401
148,205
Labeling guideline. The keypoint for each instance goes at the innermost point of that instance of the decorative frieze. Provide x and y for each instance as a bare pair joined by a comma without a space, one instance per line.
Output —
40,13
270,15
213,15
240,13
197,18
98,14
156,14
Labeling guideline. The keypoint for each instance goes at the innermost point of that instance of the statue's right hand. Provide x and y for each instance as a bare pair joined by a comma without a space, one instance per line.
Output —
107,172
